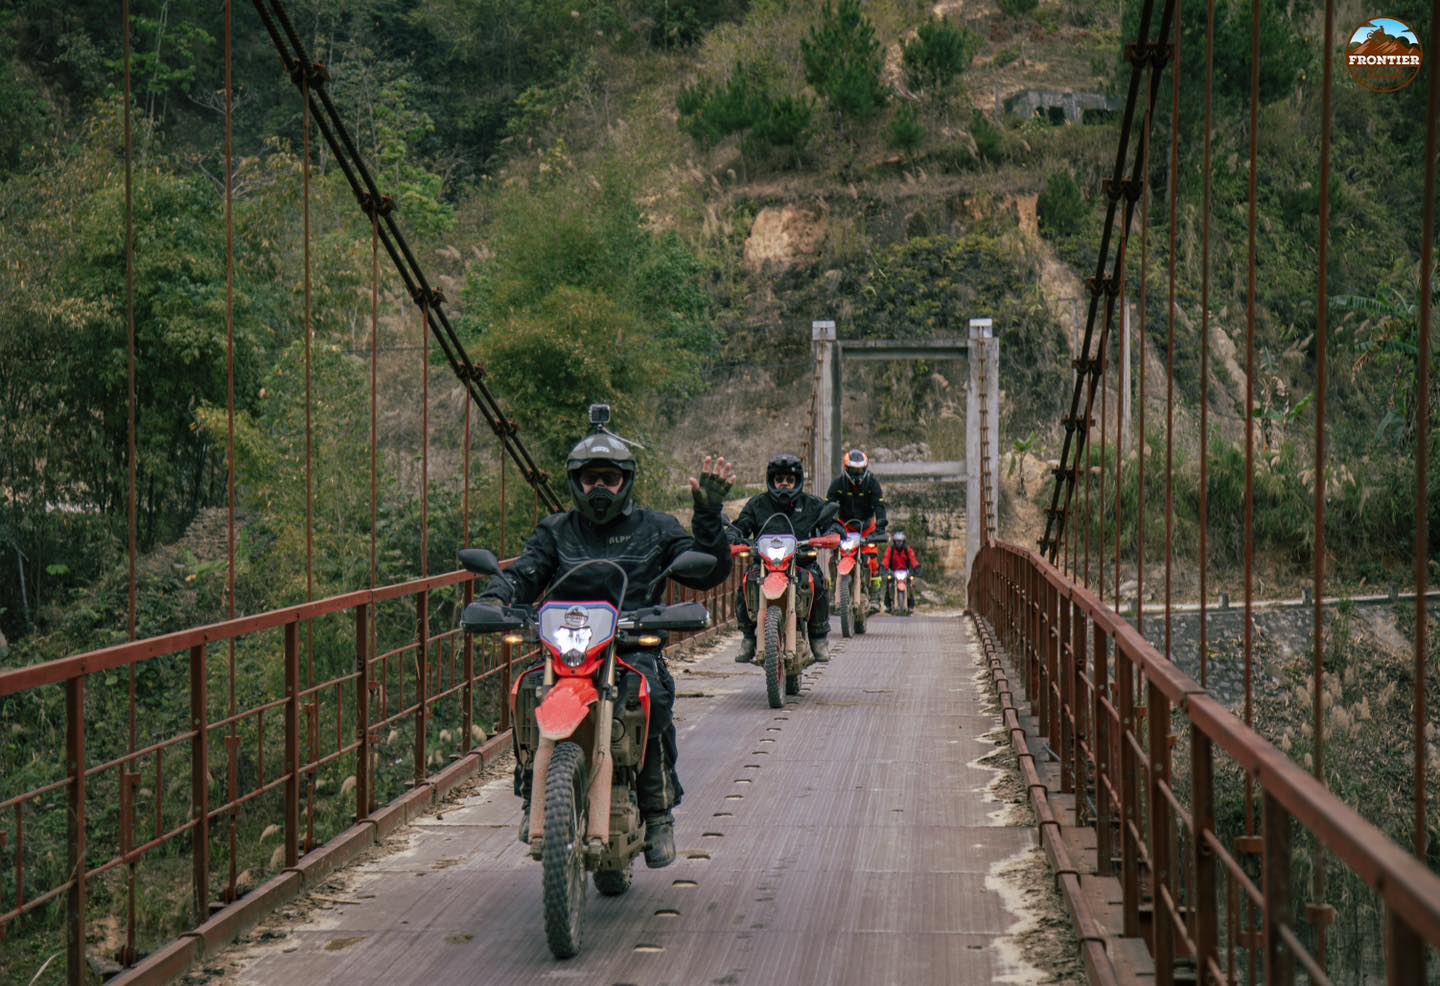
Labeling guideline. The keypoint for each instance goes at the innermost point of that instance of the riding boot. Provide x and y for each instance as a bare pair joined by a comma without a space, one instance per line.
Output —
746,654
659,840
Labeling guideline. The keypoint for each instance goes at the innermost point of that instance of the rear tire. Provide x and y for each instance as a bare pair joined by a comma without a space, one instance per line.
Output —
845,605
774,663
862,613
561,855
792,684
613,883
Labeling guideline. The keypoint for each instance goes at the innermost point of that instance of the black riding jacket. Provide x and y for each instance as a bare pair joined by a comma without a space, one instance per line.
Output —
642,542
859,502
803,512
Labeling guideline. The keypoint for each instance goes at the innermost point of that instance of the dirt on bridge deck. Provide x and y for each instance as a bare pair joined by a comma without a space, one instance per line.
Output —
871,832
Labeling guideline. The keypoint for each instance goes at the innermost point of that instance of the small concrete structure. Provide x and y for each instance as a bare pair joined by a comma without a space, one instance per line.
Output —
1057,107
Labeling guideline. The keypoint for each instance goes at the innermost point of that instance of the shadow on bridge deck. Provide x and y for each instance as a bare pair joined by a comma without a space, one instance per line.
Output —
846,838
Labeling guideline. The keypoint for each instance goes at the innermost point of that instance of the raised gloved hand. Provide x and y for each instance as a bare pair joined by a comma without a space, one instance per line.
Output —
716,478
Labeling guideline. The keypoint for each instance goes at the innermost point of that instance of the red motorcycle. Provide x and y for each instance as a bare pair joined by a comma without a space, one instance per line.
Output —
780,594
584,737
856,571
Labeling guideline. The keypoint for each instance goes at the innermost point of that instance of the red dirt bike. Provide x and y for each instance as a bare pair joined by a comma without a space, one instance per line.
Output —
584,736
779,592
854,573
901,587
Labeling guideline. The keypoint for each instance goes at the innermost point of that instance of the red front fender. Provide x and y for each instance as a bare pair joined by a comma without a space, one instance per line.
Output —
847,565
565,707
775,584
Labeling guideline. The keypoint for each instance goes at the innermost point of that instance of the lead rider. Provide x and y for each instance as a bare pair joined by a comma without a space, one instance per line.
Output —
605,523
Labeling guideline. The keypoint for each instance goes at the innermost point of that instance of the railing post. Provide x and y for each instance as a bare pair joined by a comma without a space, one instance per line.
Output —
292,743
1129,792
506,670
1204,905
77,971
1404,951
467,693
1039,697
422,674
1162,944
1069,758
1073,626
200,781
362,711
1279,963
1104,761
1055,690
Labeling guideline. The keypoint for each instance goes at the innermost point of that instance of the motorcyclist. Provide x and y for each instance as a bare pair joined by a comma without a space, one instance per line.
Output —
860,497
785,494
605,523
898,557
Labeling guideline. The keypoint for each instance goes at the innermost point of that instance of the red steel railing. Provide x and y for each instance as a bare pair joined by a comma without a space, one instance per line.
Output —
432,685
1105,700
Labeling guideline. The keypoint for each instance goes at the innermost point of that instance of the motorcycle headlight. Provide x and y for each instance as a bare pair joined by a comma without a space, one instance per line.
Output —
850,543
775,553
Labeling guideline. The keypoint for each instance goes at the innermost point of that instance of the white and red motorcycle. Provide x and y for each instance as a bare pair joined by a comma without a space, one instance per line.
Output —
581,722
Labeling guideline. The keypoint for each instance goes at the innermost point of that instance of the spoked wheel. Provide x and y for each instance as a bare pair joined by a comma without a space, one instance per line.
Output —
774,663
902,596
845,605
561,856
613,883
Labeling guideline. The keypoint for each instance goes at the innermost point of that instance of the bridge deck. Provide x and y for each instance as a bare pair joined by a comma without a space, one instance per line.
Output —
849,839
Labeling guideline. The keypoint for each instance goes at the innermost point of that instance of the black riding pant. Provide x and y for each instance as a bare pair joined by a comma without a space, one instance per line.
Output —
658,786
818,625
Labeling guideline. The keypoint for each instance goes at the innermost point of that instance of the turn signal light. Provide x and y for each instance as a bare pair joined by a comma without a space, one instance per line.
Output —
649,640
514,638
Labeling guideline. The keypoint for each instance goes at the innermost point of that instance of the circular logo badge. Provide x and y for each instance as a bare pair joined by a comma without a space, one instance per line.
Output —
1384,55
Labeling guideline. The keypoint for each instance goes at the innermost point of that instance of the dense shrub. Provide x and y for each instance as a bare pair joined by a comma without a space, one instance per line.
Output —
905,132
681,23
843,60
745,104
989,141
1018,8
1061,208
937,54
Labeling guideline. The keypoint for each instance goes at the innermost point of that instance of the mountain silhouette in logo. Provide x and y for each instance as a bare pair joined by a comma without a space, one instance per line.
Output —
1380,43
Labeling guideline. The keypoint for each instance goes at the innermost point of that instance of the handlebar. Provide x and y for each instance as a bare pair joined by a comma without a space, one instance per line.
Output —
480,617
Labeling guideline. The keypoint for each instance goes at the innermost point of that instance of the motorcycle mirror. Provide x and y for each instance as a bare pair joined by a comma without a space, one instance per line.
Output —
827,513
481,561
691,564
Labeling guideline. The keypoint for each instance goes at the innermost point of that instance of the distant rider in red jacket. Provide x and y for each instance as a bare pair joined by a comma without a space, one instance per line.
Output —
899,556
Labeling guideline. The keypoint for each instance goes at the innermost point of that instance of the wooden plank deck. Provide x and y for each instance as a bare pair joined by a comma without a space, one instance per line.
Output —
844,839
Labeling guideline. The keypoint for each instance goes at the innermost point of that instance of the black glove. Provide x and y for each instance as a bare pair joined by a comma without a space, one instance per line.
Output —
710,497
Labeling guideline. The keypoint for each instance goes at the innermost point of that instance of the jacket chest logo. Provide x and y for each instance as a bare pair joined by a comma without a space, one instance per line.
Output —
619,538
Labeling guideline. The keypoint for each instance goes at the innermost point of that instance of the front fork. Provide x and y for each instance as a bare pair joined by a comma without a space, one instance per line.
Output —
790,620
602,767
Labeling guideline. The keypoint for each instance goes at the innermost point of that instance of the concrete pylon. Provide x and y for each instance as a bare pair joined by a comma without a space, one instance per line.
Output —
984,386
822,338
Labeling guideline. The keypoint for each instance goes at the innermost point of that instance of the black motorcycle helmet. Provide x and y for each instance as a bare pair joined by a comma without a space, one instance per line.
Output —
600,506
857,466
783,464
